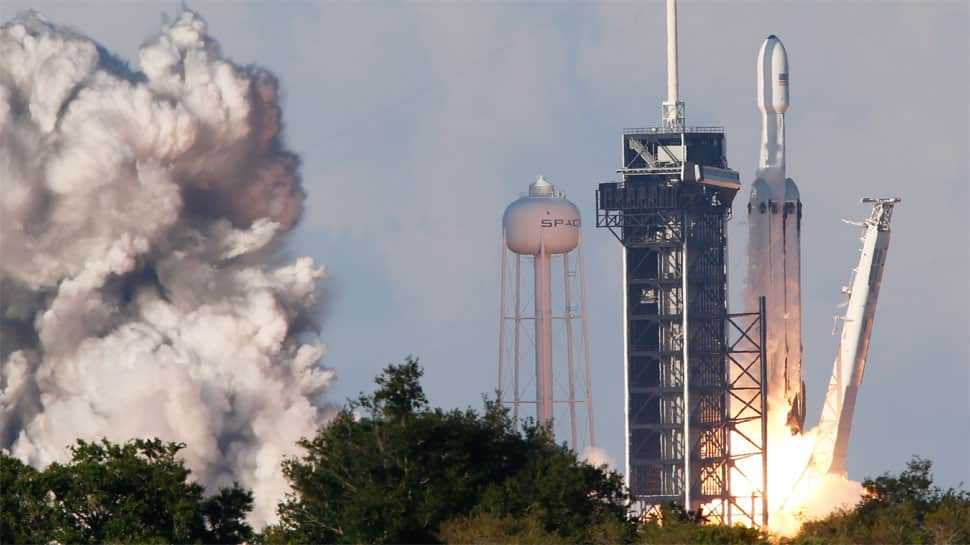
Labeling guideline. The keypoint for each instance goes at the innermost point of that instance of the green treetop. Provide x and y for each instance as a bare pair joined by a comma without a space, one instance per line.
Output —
388,469
133,493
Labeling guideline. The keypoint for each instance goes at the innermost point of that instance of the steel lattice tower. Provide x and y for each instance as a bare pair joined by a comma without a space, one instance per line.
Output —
690,382
670,213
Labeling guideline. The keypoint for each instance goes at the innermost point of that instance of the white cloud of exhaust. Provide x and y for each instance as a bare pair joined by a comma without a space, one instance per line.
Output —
142,292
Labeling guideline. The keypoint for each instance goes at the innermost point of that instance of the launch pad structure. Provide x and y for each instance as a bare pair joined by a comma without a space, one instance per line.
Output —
698,379
694,374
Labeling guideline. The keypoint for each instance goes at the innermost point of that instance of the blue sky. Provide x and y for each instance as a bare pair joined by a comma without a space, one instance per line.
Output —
418,122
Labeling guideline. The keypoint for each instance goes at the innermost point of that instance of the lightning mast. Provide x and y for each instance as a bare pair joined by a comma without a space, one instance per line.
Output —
672,111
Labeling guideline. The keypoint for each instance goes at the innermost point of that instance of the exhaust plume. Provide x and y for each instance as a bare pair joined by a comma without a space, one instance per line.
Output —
141,288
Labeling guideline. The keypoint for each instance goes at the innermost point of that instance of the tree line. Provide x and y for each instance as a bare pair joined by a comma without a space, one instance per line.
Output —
390,469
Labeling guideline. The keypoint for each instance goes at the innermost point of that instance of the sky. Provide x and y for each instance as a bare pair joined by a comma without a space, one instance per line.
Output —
418,122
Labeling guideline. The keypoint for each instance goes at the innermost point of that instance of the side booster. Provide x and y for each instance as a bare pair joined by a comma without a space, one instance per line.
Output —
774,242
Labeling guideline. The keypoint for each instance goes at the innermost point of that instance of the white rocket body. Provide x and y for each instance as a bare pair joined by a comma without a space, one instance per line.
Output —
773,101
774,242
835,423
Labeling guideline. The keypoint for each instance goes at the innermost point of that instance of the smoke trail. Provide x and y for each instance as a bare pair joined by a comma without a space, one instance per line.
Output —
140,289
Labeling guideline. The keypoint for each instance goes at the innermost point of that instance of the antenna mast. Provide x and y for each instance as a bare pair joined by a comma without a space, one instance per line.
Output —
672,112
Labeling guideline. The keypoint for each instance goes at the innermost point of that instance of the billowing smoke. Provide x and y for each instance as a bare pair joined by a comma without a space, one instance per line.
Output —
596,456
142,287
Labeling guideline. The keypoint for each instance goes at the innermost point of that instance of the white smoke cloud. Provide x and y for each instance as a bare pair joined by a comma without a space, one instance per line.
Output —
596,456
140,289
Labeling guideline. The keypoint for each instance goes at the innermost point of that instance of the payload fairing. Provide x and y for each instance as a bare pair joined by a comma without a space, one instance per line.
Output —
774,246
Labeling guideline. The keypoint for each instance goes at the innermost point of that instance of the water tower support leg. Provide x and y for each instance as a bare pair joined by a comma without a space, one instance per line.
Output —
568,316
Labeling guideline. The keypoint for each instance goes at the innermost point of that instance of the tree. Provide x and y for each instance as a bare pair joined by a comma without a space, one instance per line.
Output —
23,519
388,469
569,497
948,523
136,492
907,508
485,528
678,525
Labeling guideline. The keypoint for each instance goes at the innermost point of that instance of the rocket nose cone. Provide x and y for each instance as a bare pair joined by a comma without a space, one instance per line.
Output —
773,43
781,48
759,190
760,195
791,191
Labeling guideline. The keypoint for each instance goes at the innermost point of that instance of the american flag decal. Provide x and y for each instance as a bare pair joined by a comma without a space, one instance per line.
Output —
783,78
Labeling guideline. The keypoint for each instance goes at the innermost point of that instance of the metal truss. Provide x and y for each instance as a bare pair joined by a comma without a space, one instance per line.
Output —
746,426
678,374
706,281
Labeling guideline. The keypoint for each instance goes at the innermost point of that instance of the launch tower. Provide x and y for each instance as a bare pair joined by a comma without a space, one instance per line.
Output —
670,213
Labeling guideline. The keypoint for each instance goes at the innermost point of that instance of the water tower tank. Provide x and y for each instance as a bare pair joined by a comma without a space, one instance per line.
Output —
541,220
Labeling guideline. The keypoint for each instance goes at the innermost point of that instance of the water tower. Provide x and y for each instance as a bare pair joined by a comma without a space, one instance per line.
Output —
543,229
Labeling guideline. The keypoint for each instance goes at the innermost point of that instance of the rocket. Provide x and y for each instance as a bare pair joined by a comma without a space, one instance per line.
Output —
774,245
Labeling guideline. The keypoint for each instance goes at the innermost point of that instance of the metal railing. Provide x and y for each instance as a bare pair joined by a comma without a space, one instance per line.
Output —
667,130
